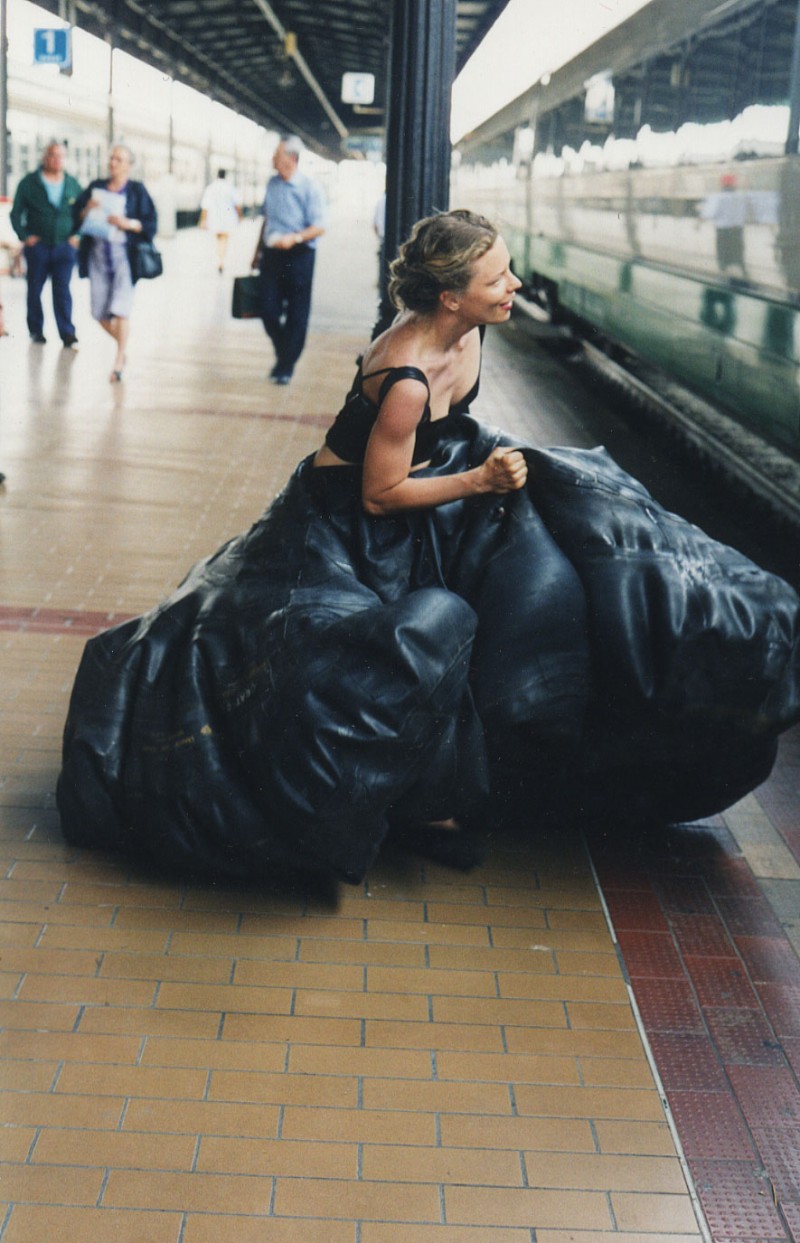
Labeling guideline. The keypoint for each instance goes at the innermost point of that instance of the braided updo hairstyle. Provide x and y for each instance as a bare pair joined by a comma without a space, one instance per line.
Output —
439,255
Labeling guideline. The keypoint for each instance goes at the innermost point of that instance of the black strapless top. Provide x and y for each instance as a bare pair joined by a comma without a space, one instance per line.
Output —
350,431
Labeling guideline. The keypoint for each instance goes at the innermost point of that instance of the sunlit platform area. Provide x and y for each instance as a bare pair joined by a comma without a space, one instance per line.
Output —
586,1038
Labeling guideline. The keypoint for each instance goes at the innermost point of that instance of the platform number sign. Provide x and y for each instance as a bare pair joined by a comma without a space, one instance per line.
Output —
358,88
52,47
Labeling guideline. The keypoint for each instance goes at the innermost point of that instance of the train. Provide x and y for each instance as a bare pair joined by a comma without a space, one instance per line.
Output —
649,193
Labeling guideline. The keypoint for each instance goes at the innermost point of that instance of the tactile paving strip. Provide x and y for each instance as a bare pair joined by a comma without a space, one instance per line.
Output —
650,954
684,895
636,909
769,959
744,1037
737,1199
779,1147
710,1125
792,1214
749,917
768,1095
668,1005
782,1004
698,935
722,982
687,1062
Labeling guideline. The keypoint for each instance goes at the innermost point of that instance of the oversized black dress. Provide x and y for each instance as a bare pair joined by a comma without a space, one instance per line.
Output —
569,649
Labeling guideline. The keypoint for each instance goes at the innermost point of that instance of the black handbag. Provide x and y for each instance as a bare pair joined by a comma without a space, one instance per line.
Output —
147,263
246,297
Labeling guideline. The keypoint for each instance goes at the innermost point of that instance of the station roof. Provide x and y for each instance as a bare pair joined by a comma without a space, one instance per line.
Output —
279,62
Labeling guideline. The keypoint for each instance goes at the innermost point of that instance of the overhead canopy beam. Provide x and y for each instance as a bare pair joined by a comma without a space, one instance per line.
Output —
294,52
226,49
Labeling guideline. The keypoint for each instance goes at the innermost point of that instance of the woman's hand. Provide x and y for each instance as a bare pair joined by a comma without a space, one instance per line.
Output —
126,223
505,470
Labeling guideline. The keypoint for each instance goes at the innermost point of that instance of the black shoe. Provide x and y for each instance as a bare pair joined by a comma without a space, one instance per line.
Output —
281,377
38,339
70,341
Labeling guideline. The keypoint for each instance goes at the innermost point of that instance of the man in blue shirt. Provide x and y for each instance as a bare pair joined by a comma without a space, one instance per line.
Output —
42,219
294,217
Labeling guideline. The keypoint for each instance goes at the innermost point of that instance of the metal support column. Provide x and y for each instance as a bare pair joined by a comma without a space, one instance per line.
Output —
171,126
66,12
794,91
422,69
3,99
111,40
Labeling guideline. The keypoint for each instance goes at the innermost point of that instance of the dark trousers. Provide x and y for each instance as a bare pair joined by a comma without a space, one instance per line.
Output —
286,277
57,263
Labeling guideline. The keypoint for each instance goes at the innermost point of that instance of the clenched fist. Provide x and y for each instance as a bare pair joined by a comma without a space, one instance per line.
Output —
505,470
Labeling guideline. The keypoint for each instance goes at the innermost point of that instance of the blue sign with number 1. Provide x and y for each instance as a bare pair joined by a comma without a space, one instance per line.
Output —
51,47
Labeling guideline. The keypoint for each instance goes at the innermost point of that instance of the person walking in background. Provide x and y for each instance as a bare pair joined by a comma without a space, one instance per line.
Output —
42,218
114,213
220,212
294,217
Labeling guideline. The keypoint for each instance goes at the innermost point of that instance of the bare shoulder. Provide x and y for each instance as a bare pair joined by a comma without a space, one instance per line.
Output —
390,352
397,346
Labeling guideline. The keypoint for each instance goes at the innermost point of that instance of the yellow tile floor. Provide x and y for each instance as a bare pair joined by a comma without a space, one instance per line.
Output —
431,1057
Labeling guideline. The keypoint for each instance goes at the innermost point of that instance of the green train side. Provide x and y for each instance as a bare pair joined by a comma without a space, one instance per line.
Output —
651,190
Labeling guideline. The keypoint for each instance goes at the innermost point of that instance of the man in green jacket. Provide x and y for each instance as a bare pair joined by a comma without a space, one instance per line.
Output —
42,219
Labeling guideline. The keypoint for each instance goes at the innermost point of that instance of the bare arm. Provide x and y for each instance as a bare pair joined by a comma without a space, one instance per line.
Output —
388,486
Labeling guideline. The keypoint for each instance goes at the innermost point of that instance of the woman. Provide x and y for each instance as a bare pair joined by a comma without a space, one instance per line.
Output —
107,254
431,631
425,366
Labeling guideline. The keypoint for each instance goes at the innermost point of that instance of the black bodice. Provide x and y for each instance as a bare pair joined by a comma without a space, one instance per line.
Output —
348,435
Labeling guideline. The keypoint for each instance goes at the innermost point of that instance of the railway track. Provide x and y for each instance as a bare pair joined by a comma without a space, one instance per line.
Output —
765,471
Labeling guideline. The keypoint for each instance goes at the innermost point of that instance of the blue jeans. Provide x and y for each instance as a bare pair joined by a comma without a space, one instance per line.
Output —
57,263
286,277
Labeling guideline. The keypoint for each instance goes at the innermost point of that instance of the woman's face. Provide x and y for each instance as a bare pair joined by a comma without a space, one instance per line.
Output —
489,296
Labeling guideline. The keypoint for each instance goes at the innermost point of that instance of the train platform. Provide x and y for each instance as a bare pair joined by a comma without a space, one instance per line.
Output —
586,1038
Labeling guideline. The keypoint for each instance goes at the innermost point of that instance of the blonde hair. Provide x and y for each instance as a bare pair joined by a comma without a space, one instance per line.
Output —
439,255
